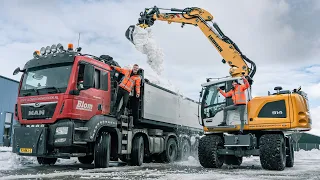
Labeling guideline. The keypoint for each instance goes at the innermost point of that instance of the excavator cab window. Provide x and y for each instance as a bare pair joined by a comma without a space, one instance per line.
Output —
212,101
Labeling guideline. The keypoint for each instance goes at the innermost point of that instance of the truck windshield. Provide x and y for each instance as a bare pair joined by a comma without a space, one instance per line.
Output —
212,101
45,80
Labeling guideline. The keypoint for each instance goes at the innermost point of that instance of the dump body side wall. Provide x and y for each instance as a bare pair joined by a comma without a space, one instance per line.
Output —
164,106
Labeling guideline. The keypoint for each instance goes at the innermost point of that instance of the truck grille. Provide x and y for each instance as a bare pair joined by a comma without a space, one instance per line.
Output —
43,110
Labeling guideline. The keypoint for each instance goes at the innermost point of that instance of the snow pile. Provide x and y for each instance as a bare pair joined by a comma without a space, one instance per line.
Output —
9,160
190,162
144,42
312,154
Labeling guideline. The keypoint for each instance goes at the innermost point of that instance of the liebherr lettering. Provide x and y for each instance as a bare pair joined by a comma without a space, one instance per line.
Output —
215,43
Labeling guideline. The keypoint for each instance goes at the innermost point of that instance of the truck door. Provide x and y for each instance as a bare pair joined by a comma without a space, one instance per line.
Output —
96,99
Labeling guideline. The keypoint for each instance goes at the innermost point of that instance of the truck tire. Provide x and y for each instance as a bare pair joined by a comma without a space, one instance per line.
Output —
137,153
86,159
272,152
208,151
170,154
232,160
47,161
102,151
185,150
290,154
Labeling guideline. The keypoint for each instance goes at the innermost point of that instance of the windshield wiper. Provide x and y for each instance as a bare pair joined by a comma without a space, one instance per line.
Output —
29,93
52,87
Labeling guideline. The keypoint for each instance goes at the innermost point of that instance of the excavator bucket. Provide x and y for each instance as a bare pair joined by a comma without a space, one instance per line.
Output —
129,33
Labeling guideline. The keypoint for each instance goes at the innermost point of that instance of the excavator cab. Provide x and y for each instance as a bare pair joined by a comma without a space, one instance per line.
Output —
213,103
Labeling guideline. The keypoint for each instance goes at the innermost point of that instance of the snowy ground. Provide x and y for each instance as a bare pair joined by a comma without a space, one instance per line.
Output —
307,165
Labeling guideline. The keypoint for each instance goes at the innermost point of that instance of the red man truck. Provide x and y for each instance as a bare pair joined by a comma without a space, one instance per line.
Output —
64,108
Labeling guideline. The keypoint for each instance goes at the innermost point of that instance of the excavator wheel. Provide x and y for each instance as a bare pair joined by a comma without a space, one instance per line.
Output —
273,152
208,151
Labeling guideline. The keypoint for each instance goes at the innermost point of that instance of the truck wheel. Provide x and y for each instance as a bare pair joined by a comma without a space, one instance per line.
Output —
102,151
208,151
137,153
86,159
185,150
290,154
232,160
171,152
48,161
272,152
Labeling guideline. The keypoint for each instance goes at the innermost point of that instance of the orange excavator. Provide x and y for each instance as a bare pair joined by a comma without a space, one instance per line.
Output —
269,120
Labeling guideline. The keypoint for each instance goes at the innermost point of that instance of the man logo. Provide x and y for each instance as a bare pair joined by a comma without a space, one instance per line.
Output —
36,104
36,113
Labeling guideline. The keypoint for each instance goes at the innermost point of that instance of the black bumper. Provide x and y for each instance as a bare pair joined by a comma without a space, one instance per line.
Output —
30,141
42,141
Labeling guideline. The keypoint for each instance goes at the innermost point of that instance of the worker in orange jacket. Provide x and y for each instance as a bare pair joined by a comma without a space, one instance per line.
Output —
131,79
239,100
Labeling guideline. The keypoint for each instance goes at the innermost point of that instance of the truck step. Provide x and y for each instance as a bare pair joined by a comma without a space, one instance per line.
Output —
81,129
124,124
124,132
124,141
124,152
79,142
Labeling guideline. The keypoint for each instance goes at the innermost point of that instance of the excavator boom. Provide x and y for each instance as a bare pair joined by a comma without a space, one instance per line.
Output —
199,17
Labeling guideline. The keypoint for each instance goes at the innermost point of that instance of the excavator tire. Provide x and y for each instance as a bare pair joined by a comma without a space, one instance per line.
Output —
208,151
272,152
290,153
232,160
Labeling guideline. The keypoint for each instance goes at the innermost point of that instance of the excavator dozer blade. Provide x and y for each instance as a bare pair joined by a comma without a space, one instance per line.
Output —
129,33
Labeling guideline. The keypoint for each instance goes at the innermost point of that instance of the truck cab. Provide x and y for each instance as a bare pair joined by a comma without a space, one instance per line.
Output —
63,96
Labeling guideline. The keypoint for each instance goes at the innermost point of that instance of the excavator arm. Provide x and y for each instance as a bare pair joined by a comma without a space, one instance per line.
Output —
199,17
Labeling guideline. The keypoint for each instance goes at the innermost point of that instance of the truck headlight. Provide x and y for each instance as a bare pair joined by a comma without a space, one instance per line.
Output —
62,130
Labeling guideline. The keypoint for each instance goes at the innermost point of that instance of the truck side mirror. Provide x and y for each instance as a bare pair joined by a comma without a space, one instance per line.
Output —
17,70
88,76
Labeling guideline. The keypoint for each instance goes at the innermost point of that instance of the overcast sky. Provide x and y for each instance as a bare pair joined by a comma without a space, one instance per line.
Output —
281,37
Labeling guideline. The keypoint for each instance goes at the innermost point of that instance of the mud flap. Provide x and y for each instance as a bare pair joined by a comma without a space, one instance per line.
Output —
30,141
129,33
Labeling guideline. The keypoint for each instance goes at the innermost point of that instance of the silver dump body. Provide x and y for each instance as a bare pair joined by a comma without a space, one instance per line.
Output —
165,106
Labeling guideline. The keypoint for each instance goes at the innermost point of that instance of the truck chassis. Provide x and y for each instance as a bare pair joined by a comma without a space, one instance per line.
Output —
101,140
